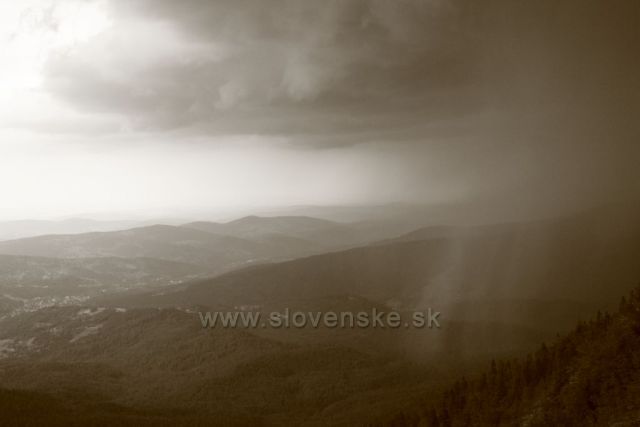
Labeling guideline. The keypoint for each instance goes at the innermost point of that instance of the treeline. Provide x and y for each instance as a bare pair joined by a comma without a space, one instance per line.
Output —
589,377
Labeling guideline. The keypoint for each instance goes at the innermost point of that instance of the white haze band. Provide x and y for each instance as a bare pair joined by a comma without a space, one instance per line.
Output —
315,319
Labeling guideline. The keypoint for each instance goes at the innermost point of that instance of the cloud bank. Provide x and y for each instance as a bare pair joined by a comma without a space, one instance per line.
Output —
498,97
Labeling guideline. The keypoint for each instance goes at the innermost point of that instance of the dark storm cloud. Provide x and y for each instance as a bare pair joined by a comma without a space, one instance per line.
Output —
326,70
347,71
556,82
534,101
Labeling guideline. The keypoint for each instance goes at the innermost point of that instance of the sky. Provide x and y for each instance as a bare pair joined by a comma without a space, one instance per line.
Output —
164,106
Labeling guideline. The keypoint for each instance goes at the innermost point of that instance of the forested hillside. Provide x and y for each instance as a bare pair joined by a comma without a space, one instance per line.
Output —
589,377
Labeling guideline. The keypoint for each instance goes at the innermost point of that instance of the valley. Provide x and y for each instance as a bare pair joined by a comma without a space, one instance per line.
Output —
120,329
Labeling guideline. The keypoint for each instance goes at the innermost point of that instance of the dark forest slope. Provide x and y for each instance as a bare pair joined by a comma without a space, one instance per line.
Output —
589,377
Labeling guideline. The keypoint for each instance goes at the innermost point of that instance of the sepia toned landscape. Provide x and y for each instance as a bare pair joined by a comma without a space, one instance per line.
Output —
319,213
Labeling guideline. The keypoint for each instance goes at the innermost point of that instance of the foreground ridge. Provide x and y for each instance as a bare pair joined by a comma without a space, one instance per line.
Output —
589,377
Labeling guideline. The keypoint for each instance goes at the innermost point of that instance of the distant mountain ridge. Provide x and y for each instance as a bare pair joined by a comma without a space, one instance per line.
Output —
496,281
156,241
10,230
319,232
519,259
216,247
